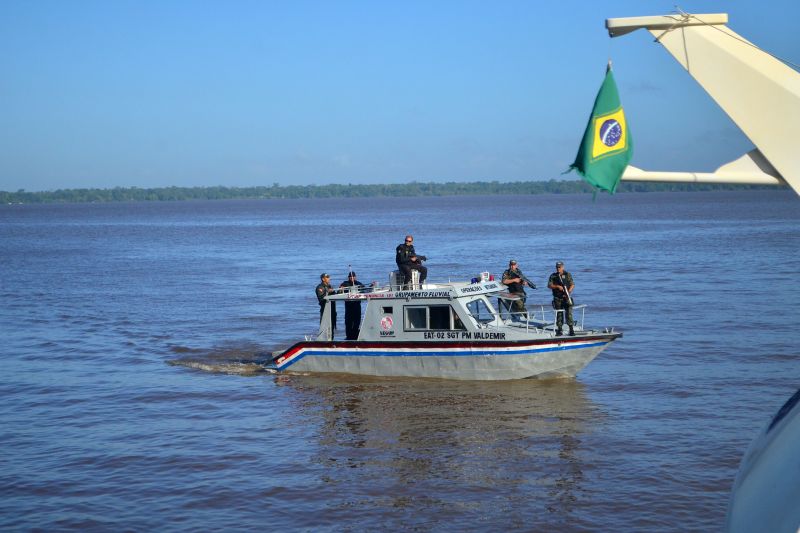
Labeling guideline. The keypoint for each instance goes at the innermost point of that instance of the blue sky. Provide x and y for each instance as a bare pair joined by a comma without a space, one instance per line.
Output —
238,93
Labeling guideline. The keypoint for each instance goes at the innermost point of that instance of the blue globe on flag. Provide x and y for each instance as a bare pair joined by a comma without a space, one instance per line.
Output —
610,132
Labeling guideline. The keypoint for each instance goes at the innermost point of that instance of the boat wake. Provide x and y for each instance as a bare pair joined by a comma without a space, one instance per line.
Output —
243,360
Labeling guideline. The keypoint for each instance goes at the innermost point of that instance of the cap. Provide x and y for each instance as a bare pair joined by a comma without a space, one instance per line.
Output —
559,264
323,275
351,274
512,262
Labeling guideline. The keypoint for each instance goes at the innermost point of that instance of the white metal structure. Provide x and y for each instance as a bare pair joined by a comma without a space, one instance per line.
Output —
757,91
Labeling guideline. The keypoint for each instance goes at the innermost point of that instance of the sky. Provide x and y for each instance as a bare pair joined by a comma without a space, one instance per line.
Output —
239,93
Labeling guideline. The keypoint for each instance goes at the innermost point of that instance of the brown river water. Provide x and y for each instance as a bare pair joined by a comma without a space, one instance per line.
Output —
132,398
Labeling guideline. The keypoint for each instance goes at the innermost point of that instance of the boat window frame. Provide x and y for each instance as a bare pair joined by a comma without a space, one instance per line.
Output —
452,315
407,322
485,301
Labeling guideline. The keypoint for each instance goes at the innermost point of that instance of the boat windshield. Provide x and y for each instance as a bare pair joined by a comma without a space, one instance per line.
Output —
481,311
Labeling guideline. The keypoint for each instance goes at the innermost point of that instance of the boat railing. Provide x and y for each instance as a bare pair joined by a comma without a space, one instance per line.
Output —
546,311
536,318
395,285
369,289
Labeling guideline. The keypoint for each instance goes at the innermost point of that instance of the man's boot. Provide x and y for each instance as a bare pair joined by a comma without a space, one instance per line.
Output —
571,332
558,332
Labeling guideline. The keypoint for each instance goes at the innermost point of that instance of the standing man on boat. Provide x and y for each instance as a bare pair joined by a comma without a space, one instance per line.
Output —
352,308
561,284
322,290
407,260
515,280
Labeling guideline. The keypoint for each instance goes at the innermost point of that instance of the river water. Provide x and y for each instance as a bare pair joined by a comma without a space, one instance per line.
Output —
130,400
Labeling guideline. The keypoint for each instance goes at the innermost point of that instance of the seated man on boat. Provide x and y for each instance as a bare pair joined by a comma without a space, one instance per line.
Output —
407,260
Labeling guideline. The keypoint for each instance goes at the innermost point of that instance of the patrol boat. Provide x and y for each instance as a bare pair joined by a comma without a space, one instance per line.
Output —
454,330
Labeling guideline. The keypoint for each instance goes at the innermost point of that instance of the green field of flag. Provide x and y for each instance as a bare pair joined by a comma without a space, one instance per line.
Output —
607,144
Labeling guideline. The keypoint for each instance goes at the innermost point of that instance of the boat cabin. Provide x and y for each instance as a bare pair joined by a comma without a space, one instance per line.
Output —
455,311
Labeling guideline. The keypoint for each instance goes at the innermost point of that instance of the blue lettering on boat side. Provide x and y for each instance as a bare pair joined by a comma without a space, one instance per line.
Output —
425,294
472,289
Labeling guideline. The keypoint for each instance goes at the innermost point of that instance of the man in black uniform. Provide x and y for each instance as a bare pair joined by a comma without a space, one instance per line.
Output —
561,284
408,260
322,290
515,280
352,308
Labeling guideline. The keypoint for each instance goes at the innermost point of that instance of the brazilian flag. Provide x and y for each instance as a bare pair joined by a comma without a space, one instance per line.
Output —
607,144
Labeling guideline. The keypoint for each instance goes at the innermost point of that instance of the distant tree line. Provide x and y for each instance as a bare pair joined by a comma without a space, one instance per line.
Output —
172,194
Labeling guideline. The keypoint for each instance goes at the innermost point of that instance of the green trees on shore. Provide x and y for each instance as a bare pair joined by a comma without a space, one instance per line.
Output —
161,194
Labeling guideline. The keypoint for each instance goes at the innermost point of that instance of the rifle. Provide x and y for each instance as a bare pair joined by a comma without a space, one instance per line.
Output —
566,290
525,279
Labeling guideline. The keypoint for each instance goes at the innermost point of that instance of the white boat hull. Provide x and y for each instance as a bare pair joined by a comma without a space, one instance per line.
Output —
555,357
